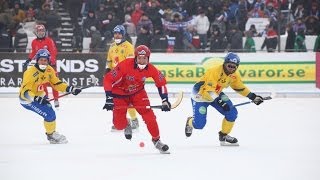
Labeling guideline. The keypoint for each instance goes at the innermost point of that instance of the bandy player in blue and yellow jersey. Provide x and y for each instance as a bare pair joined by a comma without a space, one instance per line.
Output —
208,91
33,97
120,50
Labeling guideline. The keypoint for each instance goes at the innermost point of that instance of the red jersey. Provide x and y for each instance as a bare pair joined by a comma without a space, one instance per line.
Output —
44,43
127,79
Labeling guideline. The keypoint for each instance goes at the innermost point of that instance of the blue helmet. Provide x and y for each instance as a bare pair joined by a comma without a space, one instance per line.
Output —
119,29
43,53
232,58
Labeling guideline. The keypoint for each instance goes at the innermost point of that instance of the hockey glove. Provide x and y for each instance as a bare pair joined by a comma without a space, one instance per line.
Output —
166,106
73,90
223,104
109,102
26,63
41,100
255,98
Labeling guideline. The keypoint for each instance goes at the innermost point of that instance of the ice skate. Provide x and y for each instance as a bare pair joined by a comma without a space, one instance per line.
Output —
188,129
128,131
113,129
163,148
56,138
56,104
135,124
226,140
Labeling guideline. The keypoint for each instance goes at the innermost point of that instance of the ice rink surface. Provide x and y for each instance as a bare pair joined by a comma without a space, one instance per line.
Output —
278,140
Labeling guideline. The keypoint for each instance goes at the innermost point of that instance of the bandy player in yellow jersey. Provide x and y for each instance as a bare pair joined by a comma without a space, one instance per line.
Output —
33,98
120,50
208,92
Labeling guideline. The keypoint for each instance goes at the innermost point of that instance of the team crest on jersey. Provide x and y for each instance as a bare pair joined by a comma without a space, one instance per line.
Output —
114,73
143,79
35,74
130,78
161,76
45,47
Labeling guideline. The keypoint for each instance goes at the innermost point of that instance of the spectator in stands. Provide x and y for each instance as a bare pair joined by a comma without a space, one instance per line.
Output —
130,27
102,17
77,39
202,25
5,39
20,40
188,34
3,6
18,14
271,40
91,20
159,41
314,11
118,11
274,3
299,24
50,18
249,45
256,12
154,15
128,9
136,14
291,36
242,15
299,12
312,25
235,39
299,43
217,40
144,38
95,39
146,22
253,30
220,21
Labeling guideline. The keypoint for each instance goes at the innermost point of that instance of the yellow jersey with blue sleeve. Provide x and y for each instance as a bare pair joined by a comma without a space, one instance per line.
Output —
214,81
118,53
33,80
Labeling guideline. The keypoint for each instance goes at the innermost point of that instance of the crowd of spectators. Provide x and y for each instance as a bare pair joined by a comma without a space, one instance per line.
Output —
175,25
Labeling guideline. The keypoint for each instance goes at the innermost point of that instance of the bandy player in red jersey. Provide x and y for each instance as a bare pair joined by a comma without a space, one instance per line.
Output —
44,42
124,87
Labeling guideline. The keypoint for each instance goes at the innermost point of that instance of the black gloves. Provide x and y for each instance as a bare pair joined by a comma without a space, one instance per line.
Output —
255,98
26,63
42,100
109,102
166,106
73,90
223,104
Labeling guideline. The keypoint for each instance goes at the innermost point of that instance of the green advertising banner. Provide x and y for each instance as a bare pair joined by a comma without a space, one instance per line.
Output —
251,72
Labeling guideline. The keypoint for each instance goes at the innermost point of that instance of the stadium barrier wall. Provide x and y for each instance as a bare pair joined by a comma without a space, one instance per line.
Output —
181,69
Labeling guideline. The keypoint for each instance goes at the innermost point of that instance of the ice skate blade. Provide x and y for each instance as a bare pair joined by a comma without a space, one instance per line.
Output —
62,142
133,130
164,152
223,143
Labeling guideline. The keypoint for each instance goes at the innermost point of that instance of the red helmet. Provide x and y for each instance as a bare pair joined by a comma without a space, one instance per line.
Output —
40,31
142,50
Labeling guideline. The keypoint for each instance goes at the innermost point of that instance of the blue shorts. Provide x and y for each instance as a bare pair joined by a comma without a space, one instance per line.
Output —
200,112
46,111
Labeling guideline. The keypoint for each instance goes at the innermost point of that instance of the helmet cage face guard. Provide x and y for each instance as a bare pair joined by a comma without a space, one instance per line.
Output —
40,31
